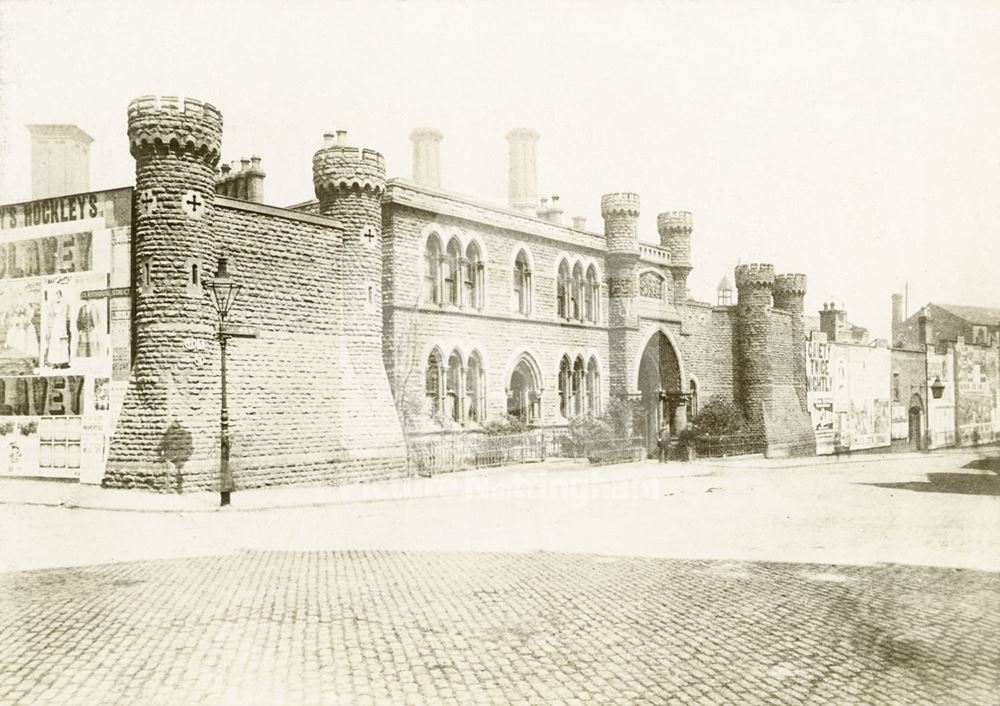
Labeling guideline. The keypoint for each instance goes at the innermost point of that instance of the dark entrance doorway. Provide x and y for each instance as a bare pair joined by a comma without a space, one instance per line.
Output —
522,393
916,422
660,386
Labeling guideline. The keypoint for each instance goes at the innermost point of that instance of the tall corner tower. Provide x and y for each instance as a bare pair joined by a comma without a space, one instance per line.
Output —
621,217
349,184
172,393
754,284
675,235
789,295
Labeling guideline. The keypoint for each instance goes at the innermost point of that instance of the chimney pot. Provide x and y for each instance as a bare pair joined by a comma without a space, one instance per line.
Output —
244,164
328,139
225,170
579,222
341,137
255,161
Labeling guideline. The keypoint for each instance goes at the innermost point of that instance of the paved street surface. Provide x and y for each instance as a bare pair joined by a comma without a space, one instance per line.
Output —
751,582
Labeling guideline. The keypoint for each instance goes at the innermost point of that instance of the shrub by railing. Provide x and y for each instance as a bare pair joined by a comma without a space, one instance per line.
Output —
607,451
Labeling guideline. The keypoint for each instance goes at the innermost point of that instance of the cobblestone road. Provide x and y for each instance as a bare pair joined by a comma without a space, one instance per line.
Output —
277,627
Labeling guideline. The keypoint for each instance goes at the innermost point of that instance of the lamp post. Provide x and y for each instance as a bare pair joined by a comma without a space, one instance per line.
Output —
224,291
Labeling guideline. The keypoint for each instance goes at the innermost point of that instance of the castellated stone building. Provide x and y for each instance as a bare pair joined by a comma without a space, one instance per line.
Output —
386,308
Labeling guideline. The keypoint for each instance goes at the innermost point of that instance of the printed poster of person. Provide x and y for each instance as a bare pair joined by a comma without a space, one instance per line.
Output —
58,330
89,326
20,320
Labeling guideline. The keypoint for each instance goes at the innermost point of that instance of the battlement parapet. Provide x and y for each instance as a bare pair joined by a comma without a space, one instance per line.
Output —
172,123
755,275
337,166
790,284
621,203
675,222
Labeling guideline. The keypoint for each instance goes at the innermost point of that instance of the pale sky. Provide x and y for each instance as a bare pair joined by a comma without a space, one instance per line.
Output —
856,142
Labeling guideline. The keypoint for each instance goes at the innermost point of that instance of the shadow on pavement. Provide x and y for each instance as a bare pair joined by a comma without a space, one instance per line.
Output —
962,483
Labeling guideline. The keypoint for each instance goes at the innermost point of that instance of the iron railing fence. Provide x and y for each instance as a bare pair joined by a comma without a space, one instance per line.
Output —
446,454
729,445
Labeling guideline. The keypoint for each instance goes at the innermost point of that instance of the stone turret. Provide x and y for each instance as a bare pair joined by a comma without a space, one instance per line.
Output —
349,184
789,295
621,217
675,235
172,393
754,283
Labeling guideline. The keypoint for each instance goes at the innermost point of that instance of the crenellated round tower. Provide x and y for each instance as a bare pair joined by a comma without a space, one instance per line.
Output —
675,235
789,292
349,184
754,284
175,143
621,218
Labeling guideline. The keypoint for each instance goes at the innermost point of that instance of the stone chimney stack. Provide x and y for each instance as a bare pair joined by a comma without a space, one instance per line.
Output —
897,309
246,183
829,318
60,160
580,222
523,190
426,156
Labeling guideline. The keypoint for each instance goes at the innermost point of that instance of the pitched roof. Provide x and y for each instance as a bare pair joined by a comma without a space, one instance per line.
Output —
974,314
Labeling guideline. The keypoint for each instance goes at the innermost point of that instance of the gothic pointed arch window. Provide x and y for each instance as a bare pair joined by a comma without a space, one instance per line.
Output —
592,295
453,272
432,269
565,386
475,401
453,388
576,294
432,382
474,284
562,291
576,390
593,387
522,283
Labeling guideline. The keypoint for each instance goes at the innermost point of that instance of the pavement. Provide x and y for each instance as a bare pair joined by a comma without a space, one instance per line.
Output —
865,580
59,493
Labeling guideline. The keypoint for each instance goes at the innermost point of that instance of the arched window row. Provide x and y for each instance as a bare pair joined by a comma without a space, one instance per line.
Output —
453,274
455,388
579,387
578,292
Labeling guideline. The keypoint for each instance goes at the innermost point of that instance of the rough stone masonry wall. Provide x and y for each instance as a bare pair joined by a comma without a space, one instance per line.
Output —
787,425
302,401
707,349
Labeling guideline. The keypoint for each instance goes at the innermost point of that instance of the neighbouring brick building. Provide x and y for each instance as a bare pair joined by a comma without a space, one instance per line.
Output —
384,308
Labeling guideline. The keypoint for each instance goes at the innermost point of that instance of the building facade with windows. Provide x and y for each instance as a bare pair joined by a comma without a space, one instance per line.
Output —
382,308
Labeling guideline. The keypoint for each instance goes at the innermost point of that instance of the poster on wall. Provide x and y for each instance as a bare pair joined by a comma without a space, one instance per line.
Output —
819,395
20,320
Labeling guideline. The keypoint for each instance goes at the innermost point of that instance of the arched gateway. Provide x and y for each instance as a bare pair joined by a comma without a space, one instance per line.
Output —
659,382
